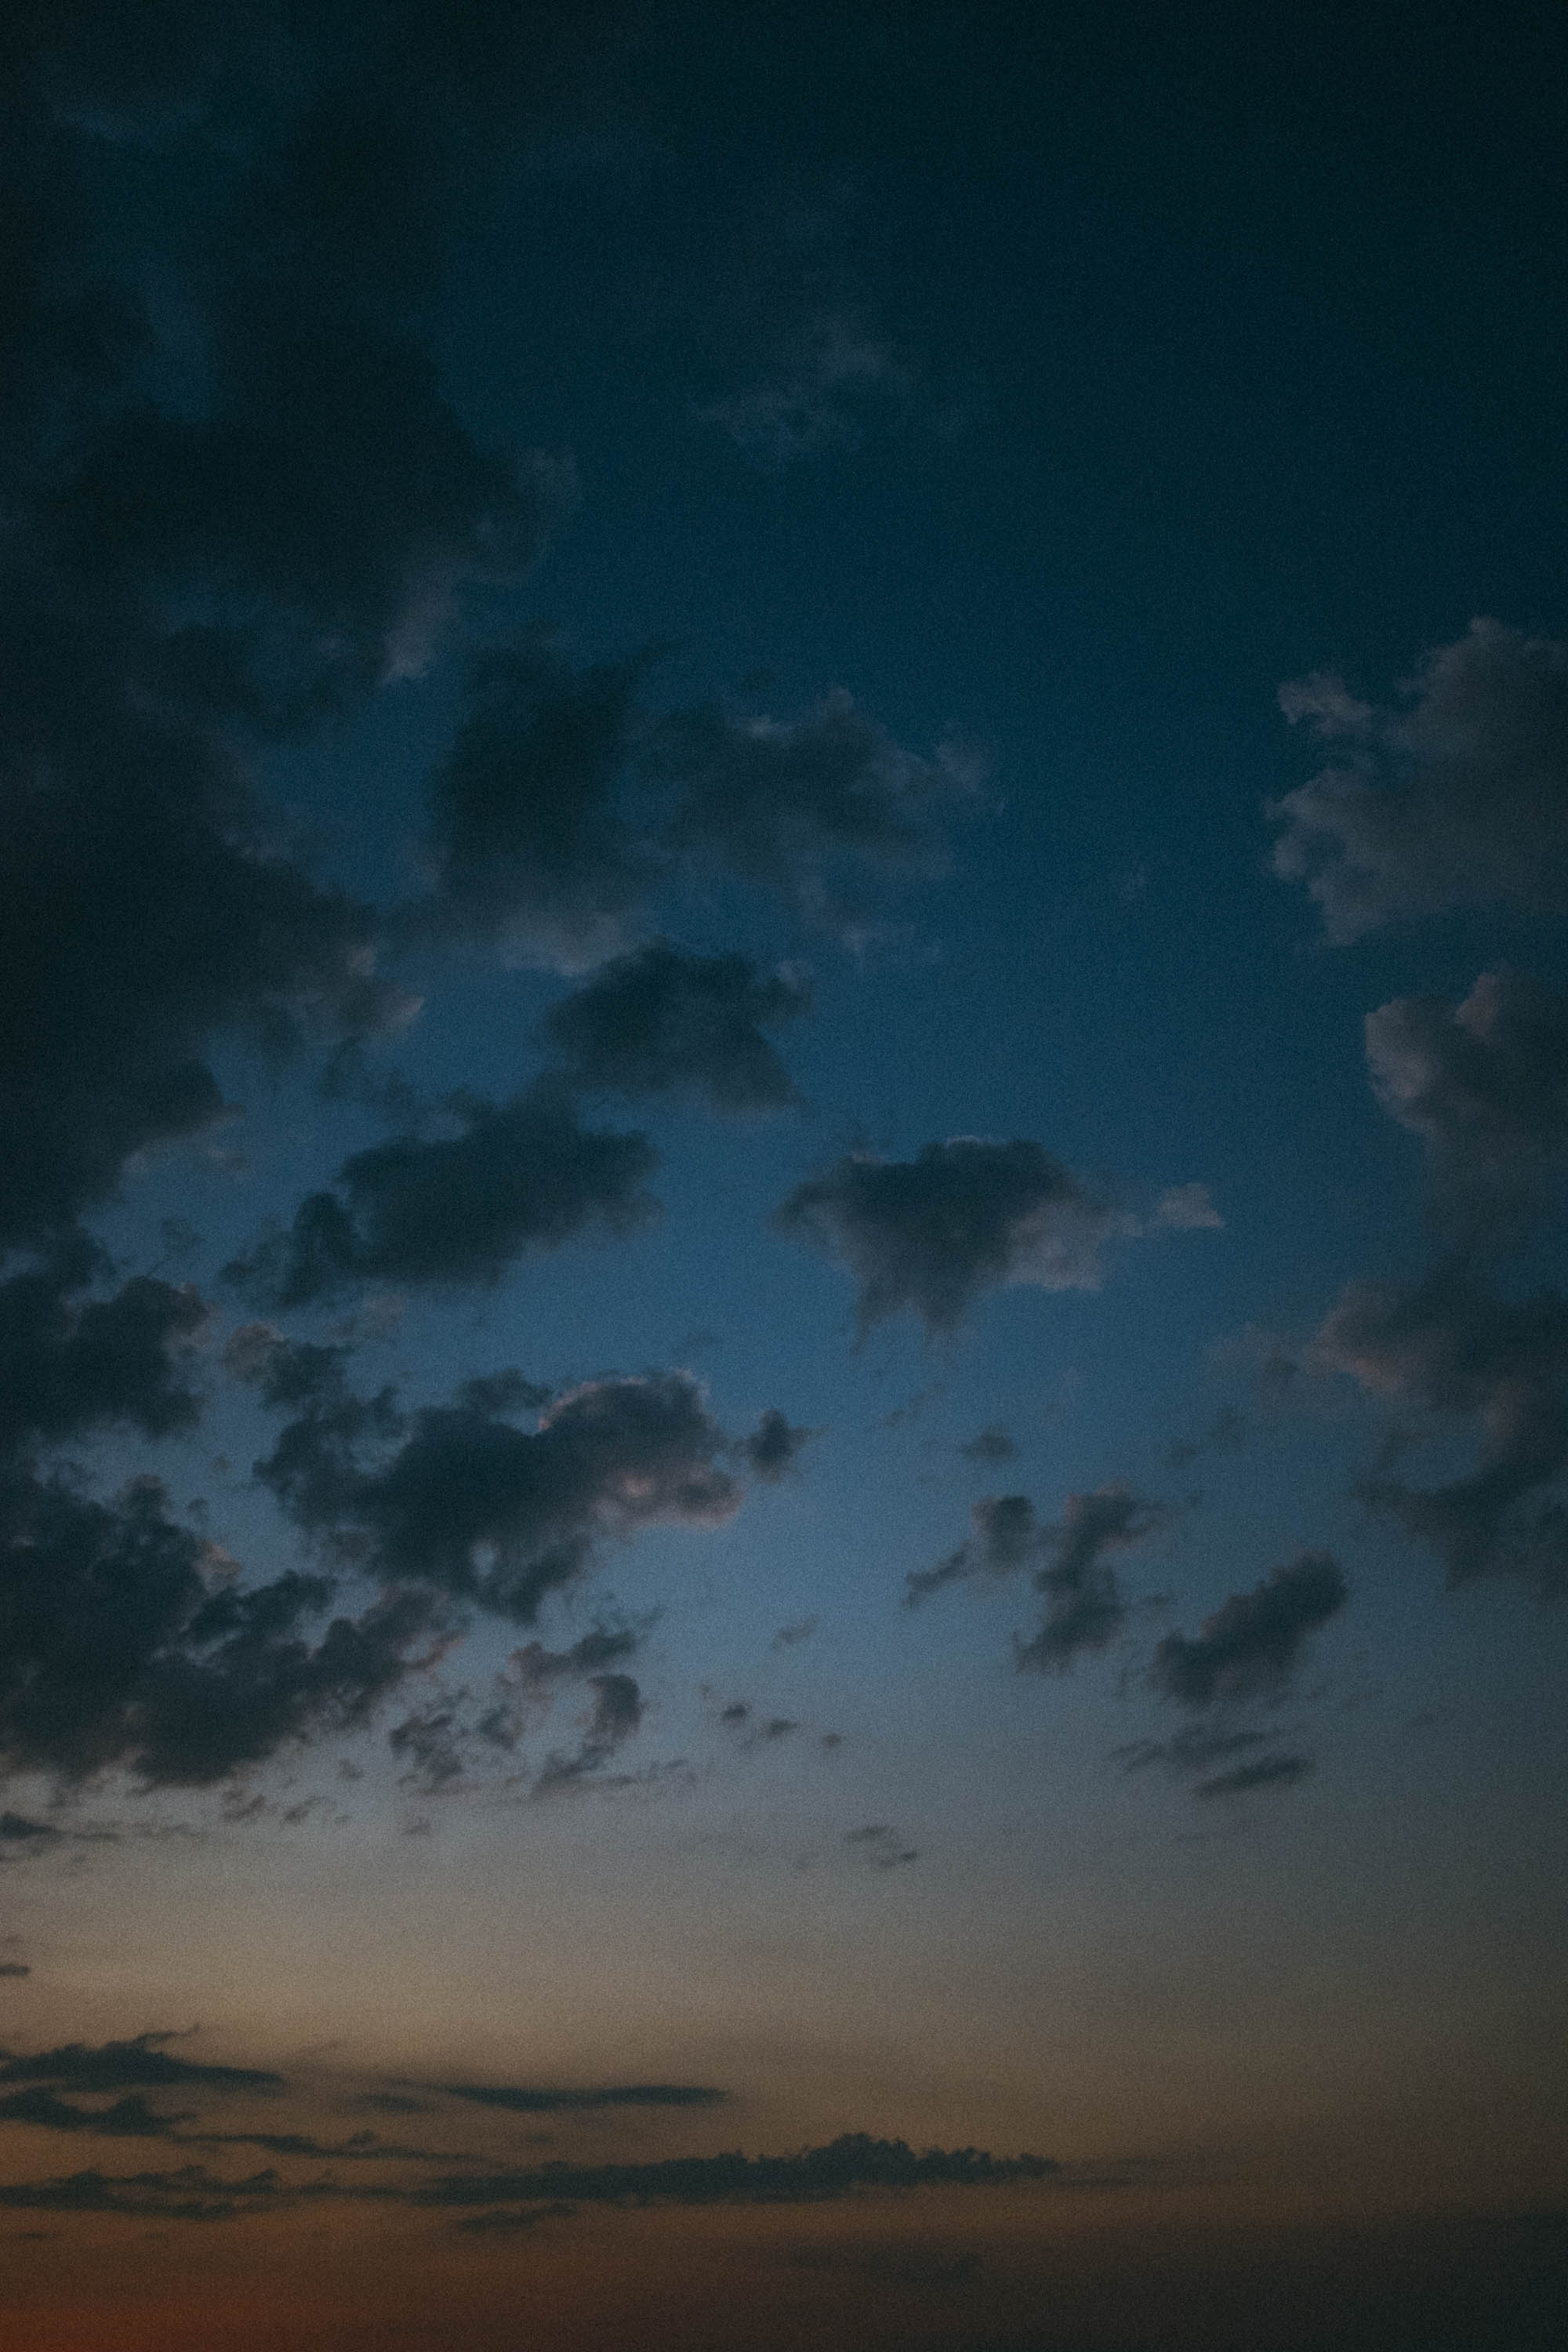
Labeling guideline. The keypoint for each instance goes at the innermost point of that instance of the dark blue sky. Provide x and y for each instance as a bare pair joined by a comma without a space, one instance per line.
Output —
788,1076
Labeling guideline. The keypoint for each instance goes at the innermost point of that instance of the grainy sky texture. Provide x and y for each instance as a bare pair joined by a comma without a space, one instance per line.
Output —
784,1346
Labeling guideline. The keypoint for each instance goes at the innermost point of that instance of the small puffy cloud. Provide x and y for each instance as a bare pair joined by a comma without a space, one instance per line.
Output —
1484,1082
821,402
1454,1348
1459,798
774,1446
522,1175
1006,1534
992,1444
1187,1209
880,1847
661,1019
965,1216
1251,1645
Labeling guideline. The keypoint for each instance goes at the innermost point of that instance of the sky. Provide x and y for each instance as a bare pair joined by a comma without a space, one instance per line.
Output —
784,1318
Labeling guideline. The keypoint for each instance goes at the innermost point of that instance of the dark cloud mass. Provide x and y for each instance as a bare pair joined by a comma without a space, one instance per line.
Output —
531,849
468,1503
661,1019
1459,799
1484,1082
523,1175
846,2167
1249,1648
932,1232
1453,1348
204,554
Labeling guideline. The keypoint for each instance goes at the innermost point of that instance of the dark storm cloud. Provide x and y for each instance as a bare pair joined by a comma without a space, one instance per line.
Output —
531,2100
1485,1082
1458,799
142,2063
487,1512
774,1446
1454,1348
932,1232
522,1175
1250,1647
1084,1607
661,1019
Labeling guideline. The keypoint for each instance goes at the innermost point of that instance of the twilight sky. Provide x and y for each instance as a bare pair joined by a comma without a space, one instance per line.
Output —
784,1318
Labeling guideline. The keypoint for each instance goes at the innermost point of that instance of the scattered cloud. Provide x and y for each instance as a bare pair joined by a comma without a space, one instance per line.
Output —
144,2063
531,849
879,1846
520,1175
822,401
532,2100
1267,1772
1457,1350
1457,798
466,1502
661,1019
965,1216
790,1637
1484,1082
1084,1608
774,1446
992,1444
1251,1645
849,2166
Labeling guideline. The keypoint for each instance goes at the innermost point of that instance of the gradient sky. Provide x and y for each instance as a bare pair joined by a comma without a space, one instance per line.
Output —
784,1367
